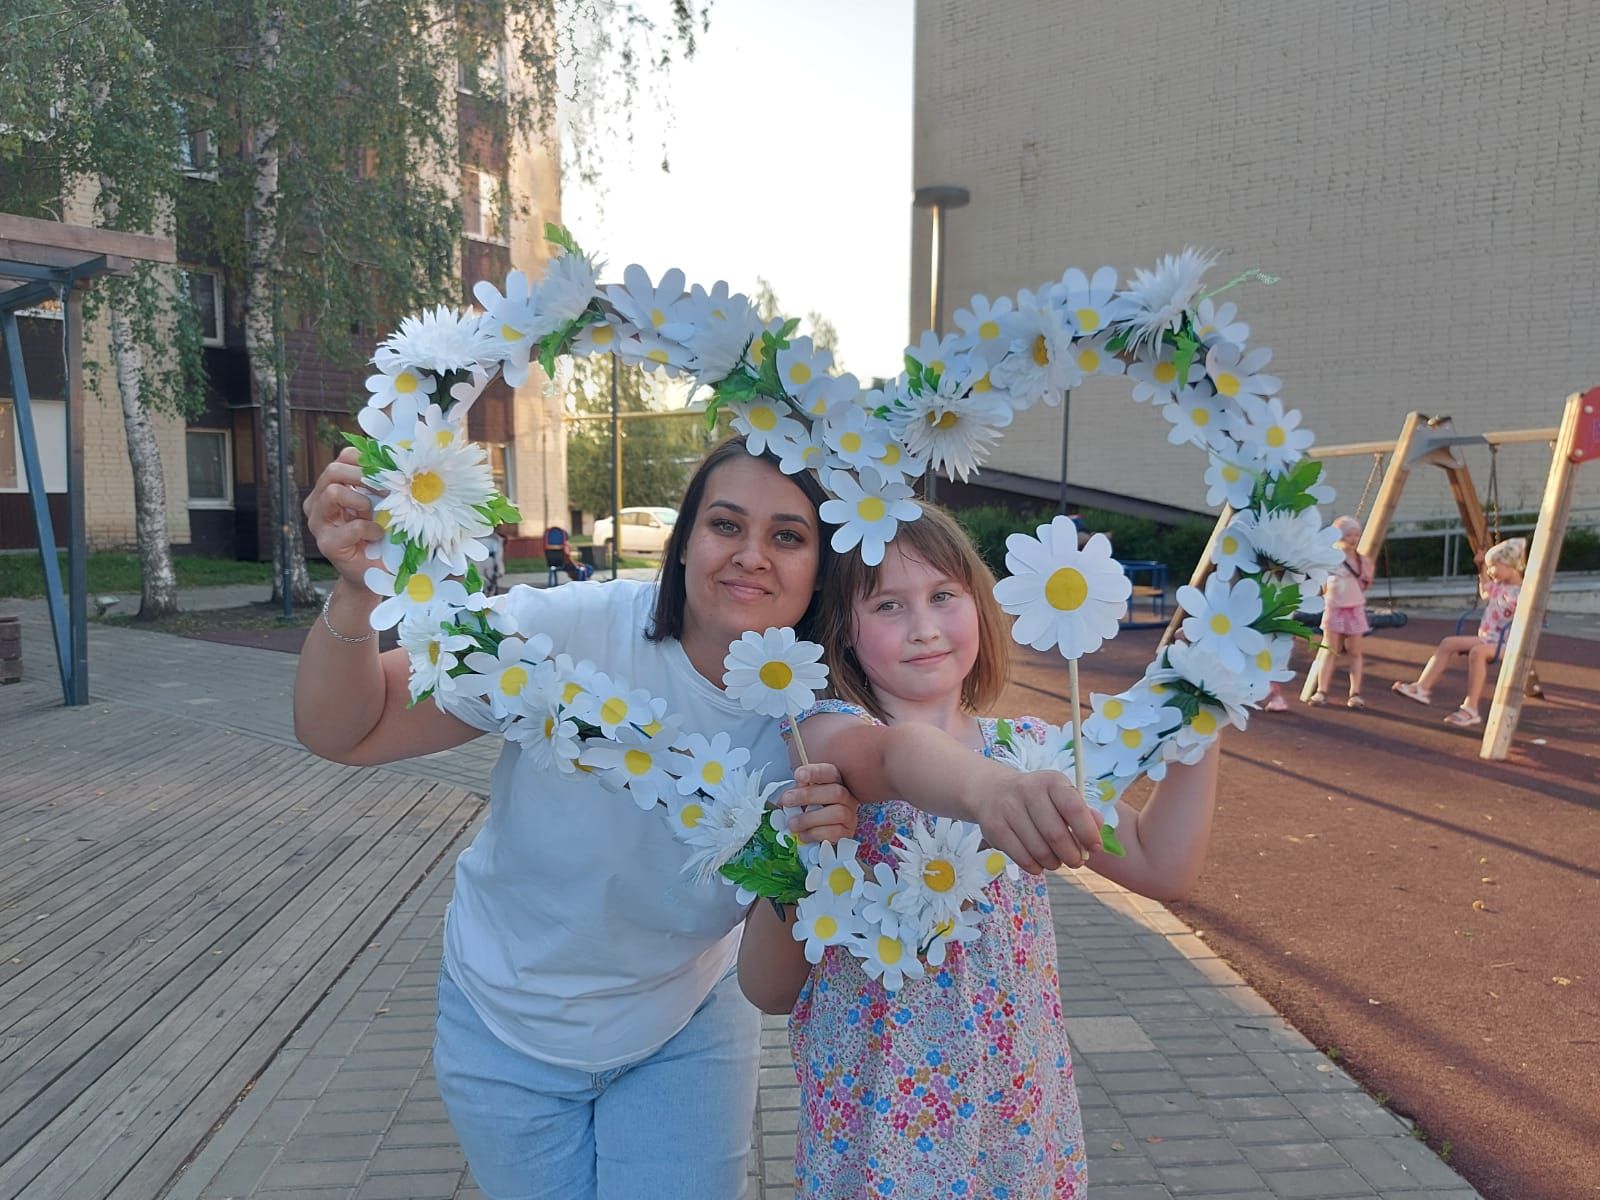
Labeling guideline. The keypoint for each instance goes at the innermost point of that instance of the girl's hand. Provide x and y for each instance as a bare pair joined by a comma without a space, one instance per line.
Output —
1040,821
821,808
339,513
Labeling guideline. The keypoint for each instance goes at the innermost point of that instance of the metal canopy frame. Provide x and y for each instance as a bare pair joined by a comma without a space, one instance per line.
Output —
42,261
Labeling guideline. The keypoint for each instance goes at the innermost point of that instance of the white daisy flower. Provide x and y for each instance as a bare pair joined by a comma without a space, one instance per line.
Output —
855,435
684,813
800,365
1052,752
1041,364
438,340
996,863
986,328
1271,662
773,673
877,898
1233,554
1090,304
653,309
835,393
723,328
550,737
1093,358
635,762
1110,715
1220,618
434,653
568,288
1202,669
403,391
942,867
613,706
889,958
705,762
1198,733
896,462
509,320
1269,433
1132,750
807,453
1158,380
823,920
936,352
964,926
767,424
1154,302
504,676
650,350
1230,481
866,509
1198,418
836,871
953,433
1214,323
429,595
1236,374
738,807
1060,595
433,493
602,337
1293,546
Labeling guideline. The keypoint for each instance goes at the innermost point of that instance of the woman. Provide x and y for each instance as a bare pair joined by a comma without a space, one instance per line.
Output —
592,1041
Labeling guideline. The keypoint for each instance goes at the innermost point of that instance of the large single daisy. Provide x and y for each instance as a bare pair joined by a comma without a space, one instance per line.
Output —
942,868
1154,302
1061,595
438,340
773,673
434,492
952,433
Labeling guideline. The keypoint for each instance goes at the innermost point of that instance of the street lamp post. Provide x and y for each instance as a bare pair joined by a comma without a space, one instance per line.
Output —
937,199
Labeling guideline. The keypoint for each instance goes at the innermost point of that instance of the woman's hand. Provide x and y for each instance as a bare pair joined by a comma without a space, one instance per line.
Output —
339,513
821,808
1039,820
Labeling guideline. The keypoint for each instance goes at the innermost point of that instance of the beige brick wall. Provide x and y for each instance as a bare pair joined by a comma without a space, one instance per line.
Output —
1421,176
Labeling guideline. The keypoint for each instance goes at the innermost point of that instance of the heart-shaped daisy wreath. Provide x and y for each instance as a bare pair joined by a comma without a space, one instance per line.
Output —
1180,350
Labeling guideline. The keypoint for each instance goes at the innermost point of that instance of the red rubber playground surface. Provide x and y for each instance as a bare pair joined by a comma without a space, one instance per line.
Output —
1428,916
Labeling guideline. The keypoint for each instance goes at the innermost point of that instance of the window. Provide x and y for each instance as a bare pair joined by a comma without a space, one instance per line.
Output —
210,473
500,469
197,150
480,203
205,293
485,74
8,446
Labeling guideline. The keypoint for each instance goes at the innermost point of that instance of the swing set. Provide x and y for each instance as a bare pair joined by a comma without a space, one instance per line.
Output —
1435,441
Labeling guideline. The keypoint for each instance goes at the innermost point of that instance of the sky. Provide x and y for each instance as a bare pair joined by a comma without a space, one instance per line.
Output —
812,104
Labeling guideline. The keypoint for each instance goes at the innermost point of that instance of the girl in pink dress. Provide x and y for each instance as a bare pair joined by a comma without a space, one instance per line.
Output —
1344,614
1498,588
959,1081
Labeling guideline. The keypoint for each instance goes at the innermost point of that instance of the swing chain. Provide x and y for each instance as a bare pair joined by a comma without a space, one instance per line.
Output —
1492,494
1372,478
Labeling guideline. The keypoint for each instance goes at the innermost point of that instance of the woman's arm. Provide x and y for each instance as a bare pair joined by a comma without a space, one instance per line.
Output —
1166,841
772,965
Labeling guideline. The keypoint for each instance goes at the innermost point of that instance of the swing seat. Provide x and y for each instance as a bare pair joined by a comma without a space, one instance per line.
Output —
1386,618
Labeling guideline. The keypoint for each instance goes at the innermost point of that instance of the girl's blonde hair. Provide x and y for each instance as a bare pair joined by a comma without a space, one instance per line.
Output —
1513,553
1349,528
935,539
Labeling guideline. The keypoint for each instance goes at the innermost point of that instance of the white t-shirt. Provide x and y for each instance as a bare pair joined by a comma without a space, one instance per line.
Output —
573,930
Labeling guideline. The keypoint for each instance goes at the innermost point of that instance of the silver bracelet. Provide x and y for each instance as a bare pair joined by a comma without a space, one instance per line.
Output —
348,641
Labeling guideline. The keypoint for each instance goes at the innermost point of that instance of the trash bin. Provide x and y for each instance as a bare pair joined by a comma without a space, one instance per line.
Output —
598,557
10,649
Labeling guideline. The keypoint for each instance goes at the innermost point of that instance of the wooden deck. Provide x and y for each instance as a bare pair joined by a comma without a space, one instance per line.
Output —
174,899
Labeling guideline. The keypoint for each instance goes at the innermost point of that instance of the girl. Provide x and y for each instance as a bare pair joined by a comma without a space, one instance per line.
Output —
591,1044
1344,616
1498,587
961,1082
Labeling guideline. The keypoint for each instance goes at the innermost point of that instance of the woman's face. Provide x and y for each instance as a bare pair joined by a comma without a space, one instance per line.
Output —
750,562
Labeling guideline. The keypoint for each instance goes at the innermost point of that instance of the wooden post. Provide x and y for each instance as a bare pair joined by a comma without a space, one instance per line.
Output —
1506,709
1469,506
1377,526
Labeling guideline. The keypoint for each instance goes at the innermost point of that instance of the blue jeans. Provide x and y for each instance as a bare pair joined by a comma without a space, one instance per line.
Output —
674,1126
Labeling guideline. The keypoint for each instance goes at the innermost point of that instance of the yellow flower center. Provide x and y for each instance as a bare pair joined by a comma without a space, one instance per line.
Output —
651,728
943,421
1041,351
776,674
1264,660
570,693
1066,589
657,356
825,927
1230,544
601,335
1276,436
871,508
711,774
840,881
1088,320
1202,417
889,950
1220,624
614,711
763,418
994,863
512,681
1132,738
800,374
1113,708
1231,473
657,318
637,762
988,331
549,728
1204,723
691,815
945,927
1104,790
1089,360
383,516
434,651
510,333
758,351
850,443
406,382
939,874
1166,372
419,588
443,438
1227,384
890,455
983,385
426,487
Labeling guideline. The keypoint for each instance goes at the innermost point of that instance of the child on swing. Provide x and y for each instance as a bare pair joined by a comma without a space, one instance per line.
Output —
960,1082
1344,614
1498,588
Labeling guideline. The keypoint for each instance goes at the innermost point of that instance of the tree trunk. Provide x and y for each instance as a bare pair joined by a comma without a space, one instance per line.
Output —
158,583
263,267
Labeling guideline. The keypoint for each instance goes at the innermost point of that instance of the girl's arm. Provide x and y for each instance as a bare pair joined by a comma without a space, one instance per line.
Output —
1038,818
1166,840
772,965
1369,571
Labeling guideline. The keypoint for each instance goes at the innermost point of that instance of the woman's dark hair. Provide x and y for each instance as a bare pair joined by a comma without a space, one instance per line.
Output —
671,593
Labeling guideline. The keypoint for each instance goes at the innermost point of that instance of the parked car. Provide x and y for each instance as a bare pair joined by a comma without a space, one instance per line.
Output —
644,530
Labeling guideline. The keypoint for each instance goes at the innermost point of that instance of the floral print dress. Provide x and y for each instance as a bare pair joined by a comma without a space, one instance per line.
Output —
960,1084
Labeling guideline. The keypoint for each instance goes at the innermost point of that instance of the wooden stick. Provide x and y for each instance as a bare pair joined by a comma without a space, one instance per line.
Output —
1077,735
799,742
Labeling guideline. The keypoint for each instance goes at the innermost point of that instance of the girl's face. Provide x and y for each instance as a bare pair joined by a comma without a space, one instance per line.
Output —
750,562
1504,573
917,636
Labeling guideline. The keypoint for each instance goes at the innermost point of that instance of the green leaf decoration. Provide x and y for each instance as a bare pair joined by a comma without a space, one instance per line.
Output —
788,329
768,868
559,235
1118,342
1185,344
1290,492
1109,843
375,456
409,562
1002,732
418,699
474,581
497,510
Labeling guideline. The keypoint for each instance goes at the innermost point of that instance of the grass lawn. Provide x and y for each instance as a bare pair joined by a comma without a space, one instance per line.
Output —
536,566
22,575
